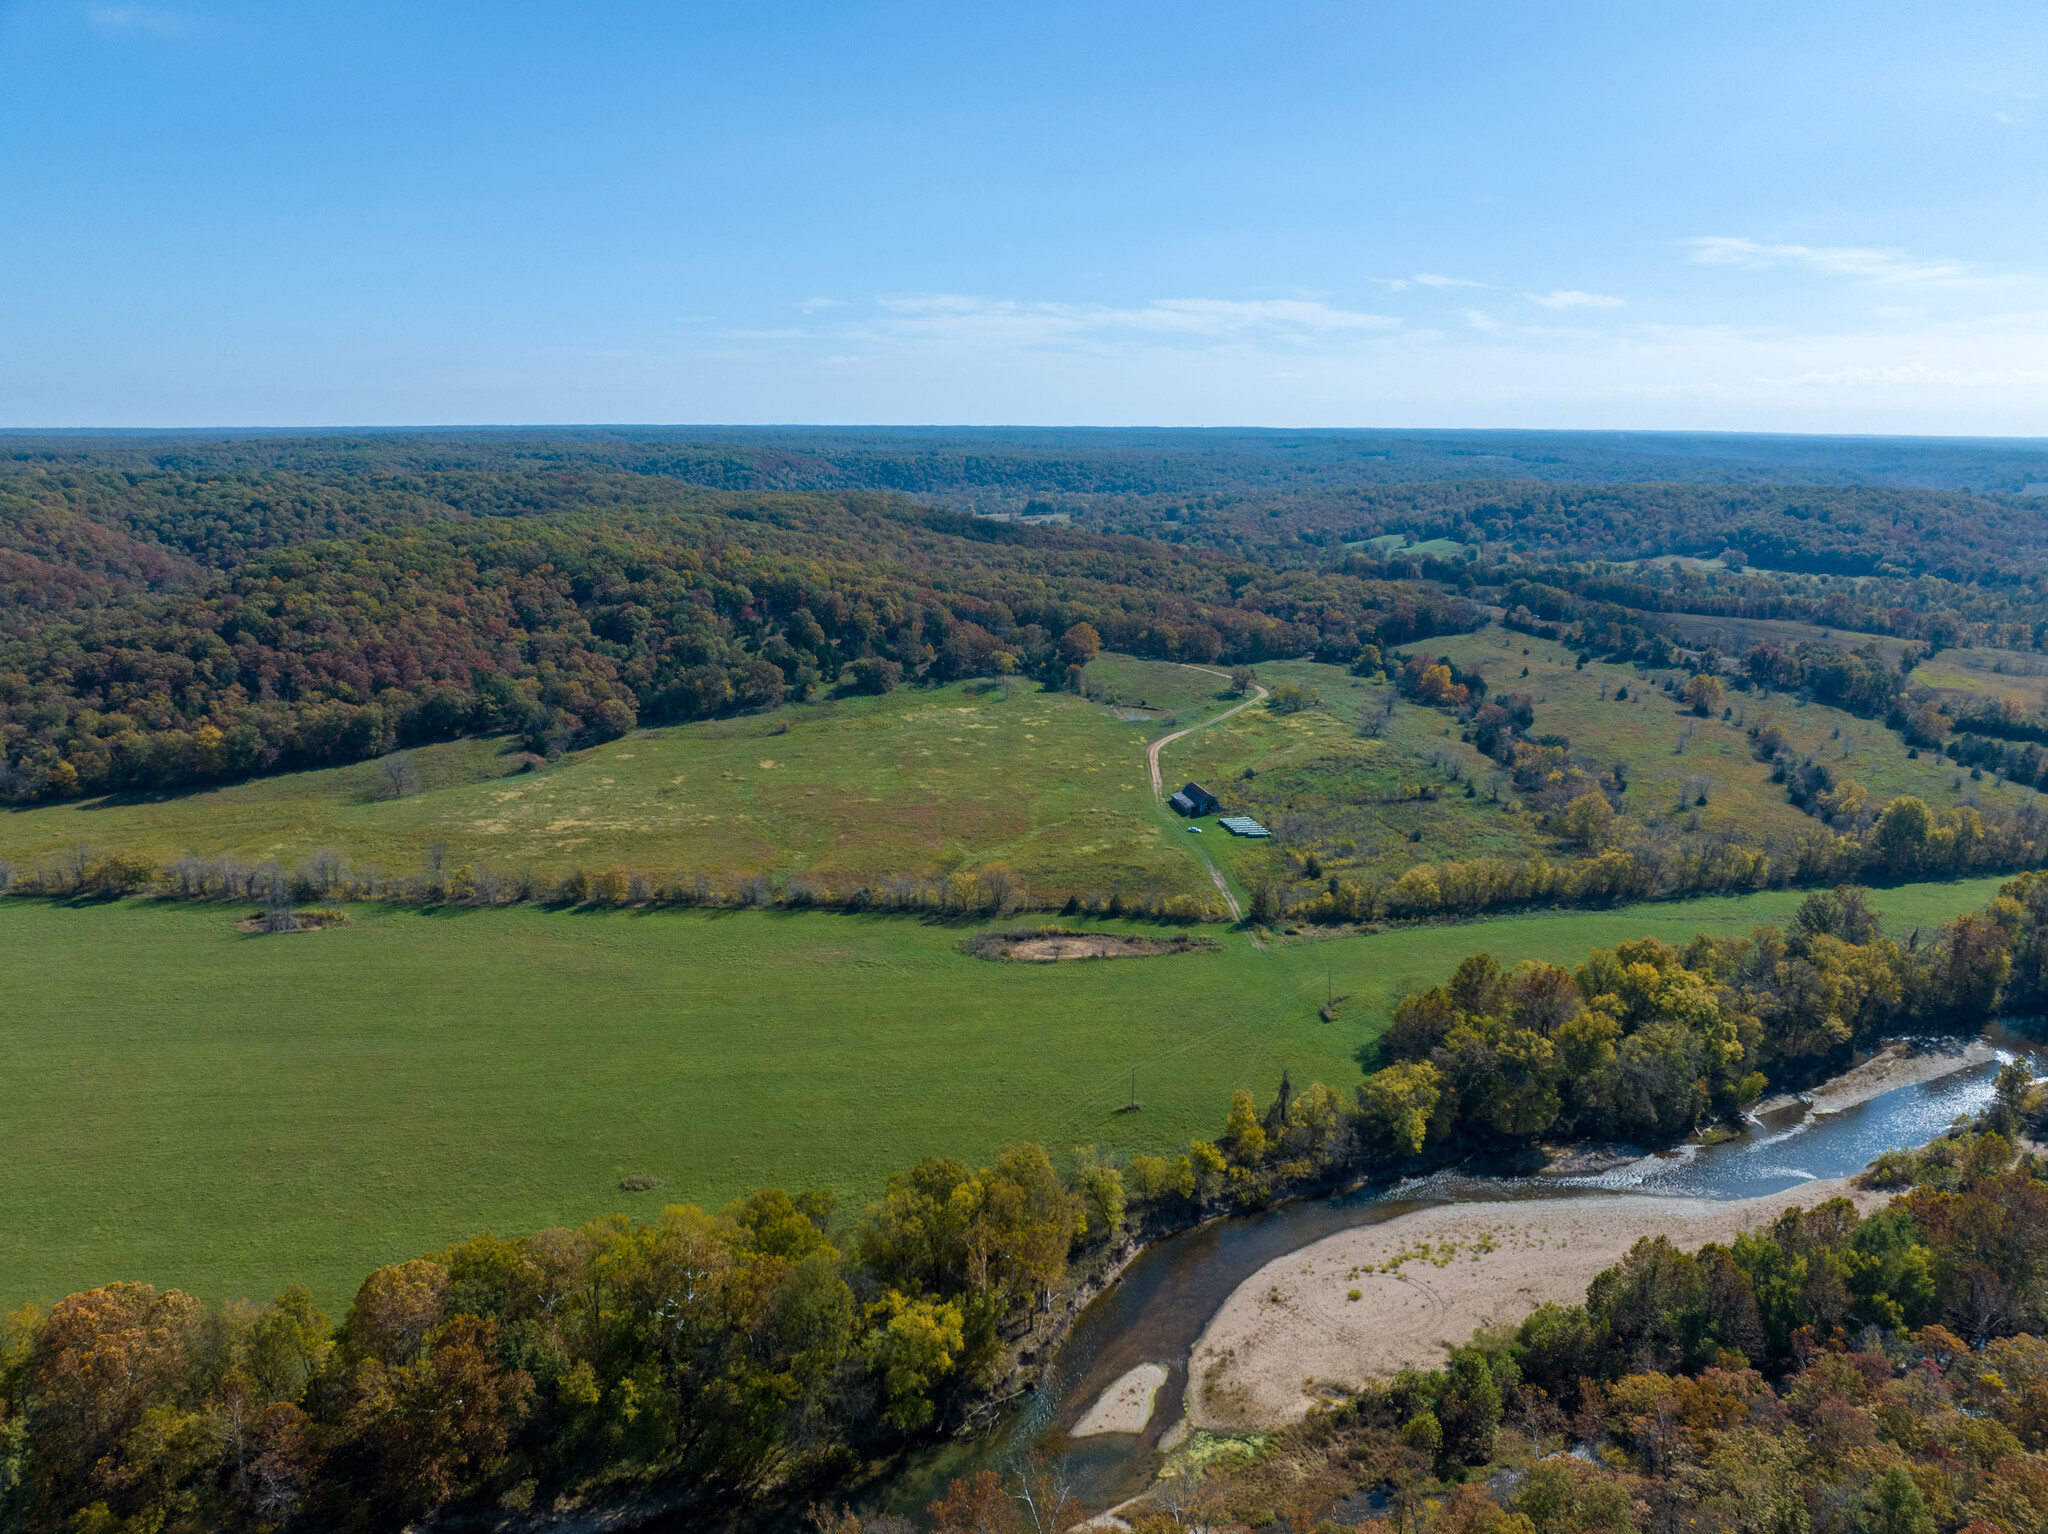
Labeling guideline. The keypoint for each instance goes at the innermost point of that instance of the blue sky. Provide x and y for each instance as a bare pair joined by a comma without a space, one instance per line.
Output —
1774,217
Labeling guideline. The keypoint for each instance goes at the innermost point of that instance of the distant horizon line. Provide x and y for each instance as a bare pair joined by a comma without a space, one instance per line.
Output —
2033,443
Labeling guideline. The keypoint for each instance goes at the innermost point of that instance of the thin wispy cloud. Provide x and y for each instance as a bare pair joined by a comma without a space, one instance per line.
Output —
138,18
1215,318
1479,319
1868,263
1437,280
1572,298
813,305
1913,374
1215,315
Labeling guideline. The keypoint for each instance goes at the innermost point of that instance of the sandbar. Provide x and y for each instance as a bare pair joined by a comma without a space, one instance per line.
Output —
1291,1333
1900,1065
1126,1406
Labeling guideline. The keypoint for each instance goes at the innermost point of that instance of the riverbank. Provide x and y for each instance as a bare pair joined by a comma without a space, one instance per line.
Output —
1902,1064
1369,1302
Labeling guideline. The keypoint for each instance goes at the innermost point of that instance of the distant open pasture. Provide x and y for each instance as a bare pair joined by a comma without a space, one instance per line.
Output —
187,1103
1358,800
1049,787
1407,543
1732,636
925,780
2004,676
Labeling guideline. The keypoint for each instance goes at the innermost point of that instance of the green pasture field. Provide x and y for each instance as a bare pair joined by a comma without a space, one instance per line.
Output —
2006,676
1189,693
2016,675
1046,785
1352,801
1322,787
1734,635
1397,543
1645,732
188,1104
1049,787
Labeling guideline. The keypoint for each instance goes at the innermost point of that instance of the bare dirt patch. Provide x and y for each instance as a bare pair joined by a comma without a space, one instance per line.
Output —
1052,945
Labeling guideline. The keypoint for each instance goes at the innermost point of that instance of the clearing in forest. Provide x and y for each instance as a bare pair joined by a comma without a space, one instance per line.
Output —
1048,786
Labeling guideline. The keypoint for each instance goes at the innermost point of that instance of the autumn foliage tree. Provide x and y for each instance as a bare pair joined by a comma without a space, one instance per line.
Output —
580,616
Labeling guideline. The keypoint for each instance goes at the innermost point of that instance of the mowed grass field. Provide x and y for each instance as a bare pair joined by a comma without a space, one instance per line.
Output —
188,1104
1047,785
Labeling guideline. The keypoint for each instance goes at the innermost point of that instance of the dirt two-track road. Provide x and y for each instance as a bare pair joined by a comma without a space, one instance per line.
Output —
1159,785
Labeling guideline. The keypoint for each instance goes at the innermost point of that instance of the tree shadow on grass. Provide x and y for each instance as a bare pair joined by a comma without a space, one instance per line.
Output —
126,799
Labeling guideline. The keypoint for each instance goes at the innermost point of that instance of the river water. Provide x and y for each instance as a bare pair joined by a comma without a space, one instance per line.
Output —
1157,1310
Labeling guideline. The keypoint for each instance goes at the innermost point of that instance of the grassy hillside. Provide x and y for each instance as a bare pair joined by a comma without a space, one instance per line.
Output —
1976,671
2004,676
1355,802
1732,636
921,781
1046,785
193,1105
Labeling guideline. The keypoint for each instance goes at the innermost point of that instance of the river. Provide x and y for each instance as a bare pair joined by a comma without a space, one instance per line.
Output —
1155,1312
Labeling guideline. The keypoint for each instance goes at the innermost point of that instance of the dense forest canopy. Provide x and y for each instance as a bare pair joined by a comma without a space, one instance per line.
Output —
129,658
1091,461
1814,504
184,608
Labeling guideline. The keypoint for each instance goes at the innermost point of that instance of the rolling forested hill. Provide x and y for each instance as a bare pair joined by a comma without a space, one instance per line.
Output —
181,610
186,628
